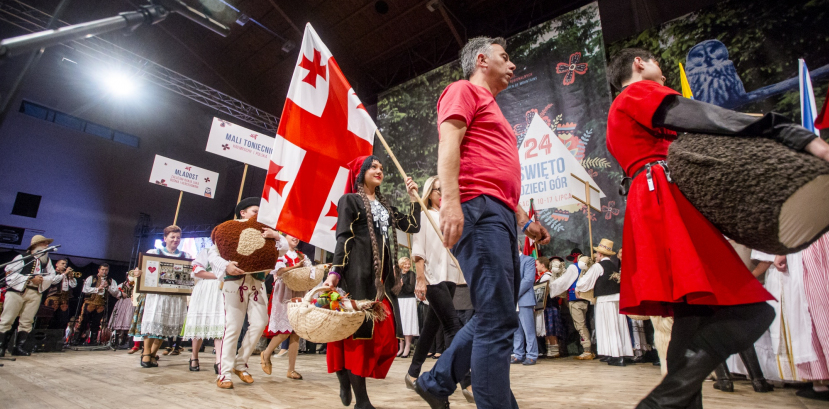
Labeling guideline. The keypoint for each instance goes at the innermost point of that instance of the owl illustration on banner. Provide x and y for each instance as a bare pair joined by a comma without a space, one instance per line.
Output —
712,75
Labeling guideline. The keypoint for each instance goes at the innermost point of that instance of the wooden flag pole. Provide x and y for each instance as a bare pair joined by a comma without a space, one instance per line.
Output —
242,186
586,201
419,200
178,206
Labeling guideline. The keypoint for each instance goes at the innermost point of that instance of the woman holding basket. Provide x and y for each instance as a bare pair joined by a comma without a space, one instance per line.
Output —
364,266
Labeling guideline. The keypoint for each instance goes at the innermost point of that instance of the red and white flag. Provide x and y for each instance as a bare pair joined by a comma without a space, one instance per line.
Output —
323,127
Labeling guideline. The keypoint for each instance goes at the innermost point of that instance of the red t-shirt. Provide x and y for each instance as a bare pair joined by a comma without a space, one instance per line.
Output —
631,137
489,155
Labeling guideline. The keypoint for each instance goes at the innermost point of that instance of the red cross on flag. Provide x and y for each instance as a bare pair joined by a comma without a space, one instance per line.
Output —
323,127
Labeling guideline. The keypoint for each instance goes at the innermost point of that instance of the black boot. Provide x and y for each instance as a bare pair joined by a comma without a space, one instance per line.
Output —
725,382
3,344
758,381
93,338
345,387
620,361
358,384
680,387
20,348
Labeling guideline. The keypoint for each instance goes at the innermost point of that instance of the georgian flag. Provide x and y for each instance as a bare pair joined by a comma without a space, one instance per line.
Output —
323,127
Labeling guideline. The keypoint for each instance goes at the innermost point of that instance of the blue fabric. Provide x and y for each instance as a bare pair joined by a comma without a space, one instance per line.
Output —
554,323
525,345
484,344
526,296
572,290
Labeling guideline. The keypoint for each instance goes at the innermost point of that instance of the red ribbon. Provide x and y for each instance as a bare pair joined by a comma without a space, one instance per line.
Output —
242,289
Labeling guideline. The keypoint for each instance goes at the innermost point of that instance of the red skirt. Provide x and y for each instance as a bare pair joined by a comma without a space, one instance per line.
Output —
369,358
674,254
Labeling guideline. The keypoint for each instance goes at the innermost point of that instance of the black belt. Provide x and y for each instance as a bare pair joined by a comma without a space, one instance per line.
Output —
624,184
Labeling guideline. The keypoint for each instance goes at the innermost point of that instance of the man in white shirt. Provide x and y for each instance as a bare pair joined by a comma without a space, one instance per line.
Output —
578,307
95,289
59,291
26,278
612,333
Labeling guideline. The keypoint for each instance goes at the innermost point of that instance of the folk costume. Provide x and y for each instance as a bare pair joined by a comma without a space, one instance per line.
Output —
95,290
277,307
816,284
243,295
551,323
60,291
22,297
565,285
370,351
163,314
677,263
206,312
612,331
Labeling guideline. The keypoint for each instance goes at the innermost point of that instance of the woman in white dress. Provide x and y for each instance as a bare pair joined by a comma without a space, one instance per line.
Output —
163,314
206,314
408,307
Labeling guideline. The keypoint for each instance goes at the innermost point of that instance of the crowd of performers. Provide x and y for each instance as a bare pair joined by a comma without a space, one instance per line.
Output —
679,272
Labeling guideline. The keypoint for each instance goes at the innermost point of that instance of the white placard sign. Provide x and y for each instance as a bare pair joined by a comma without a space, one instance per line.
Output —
239,143
181,176
546,168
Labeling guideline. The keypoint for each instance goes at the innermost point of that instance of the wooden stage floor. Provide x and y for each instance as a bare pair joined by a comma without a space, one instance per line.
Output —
107,379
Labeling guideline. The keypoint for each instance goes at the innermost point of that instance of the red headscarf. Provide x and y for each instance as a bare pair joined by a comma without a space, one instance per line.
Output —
353,172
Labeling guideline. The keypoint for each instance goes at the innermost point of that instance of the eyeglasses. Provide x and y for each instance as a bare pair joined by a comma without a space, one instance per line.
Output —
437,189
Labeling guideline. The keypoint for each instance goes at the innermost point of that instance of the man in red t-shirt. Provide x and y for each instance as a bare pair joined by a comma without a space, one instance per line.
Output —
480,178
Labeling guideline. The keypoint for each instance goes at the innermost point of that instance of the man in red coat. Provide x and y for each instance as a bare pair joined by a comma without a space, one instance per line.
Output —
677,263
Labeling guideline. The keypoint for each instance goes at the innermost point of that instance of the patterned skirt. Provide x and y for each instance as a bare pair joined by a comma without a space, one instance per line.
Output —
554,324
122,315
137,316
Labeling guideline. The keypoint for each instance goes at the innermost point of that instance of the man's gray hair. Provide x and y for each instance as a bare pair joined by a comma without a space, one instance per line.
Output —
475,46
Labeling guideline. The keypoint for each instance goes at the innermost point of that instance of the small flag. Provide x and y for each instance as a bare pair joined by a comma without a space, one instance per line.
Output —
683,80
529,244
807,98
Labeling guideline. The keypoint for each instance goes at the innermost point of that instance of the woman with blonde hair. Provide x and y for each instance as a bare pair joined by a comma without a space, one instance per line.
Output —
437,278
408,307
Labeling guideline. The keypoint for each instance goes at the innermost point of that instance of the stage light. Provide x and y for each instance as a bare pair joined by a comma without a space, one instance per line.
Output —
119,83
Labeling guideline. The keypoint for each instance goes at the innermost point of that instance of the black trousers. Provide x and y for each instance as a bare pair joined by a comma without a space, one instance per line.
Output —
441,314
720,330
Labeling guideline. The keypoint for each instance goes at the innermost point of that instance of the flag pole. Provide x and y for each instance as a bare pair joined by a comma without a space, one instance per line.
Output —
242,186
178,206
419,200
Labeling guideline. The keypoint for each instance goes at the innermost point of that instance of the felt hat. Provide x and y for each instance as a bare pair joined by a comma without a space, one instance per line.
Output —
245,203
38,239
556,258
574,255
605,247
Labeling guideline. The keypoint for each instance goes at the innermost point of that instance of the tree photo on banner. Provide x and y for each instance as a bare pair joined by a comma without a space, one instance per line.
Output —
560,77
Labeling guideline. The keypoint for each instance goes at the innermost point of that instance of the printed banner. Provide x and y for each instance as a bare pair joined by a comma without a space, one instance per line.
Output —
547,169
181,176
239,143
560,79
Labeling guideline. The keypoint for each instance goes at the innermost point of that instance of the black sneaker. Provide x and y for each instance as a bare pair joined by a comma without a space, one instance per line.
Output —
435,402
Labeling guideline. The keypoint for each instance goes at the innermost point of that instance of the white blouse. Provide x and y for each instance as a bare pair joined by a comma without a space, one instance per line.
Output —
426,244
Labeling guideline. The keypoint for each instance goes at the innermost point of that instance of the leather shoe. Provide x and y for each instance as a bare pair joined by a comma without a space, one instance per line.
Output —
467,393
616,361
244,376
529,361
410,382
435,402
267,367
515,360
604,359
224,384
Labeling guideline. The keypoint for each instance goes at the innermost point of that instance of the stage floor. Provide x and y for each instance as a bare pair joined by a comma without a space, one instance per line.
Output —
107,379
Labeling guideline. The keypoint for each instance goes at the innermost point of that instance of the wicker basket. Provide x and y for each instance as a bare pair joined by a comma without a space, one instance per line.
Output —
321,325
299,279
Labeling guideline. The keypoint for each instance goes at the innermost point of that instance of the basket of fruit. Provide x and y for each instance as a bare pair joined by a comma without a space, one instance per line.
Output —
325,315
